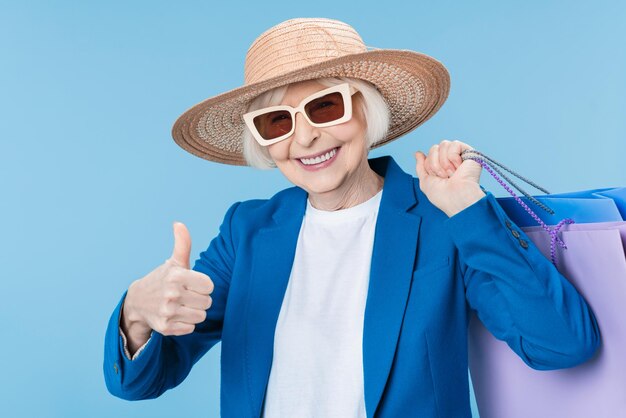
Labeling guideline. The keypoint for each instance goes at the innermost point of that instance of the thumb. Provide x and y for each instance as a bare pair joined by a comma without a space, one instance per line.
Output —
419,165
182,245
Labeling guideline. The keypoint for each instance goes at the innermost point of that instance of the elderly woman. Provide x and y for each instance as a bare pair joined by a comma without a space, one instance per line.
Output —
347,295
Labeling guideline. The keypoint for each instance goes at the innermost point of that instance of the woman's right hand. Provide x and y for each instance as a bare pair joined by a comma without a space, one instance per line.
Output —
172,298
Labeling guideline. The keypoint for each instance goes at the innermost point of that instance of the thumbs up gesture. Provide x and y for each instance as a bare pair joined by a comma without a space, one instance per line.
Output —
172,298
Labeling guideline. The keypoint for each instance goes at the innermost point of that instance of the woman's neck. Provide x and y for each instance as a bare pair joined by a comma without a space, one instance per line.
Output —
365,184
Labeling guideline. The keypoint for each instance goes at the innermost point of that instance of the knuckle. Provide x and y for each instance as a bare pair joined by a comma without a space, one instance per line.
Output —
171,277
209,302
171,294
179,274
166,311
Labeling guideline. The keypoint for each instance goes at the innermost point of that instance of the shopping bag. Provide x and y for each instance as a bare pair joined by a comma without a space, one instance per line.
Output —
592,257
505,387
598,205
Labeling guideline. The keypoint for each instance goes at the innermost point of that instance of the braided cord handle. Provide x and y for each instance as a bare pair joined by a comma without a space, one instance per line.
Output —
491,166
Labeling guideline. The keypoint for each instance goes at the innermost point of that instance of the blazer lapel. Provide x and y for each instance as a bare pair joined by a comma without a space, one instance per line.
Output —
273,251
393,258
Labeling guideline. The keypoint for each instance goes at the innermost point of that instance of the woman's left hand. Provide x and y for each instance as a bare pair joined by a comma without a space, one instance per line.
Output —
450,183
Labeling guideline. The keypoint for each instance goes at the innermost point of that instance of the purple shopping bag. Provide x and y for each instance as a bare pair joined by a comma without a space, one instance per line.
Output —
505,387
592,256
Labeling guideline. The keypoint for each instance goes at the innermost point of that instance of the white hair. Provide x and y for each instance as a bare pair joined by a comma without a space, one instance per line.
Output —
373,105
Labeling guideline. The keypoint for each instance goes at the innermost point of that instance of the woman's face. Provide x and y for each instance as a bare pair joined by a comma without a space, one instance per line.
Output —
346,141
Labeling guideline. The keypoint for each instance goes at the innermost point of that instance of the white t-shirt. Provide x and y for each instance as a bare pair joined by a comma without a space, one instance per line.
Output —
317,369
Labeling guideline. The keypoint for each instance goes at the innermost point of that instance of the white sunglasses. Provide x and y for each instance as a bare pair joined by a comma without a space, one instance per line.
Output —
327,107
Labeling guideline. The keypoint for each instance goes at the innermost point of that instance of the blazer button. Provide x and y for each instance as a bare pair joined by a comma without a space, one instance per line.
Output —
515,233
115,368
523,243
508,224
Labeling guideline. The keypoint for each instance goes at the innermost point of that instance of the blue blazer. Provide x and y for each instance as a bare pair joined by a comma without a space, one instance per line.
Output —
428,272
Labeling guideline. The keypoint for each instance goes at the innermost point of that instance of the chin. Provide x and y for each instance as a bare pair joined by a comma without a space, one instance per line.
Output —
320,191
322,186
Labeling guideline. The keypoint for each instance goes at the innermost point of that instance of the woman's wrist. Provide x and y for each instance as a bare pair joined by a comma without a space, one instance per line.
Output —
464,200
132,324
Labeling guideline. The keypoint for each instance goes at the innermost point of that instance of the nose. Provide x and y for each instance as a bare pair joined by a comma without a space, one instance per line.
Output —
304,133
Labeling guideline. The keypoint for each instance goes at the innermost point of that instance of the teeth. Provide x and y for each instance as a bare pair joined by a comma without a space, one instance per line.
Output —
319,159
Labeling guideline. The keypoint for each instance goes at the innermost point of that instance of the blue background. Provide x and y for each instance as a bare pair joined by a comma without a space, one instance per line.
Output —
92,181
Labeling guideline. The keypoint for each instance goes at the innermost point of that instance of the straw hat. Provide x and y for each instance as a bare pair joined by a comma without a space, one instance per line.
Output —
413,84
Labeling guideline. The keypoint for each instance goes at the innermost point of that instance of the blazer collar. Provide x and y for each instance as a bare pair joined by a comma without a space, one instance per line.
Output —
393,258
398,191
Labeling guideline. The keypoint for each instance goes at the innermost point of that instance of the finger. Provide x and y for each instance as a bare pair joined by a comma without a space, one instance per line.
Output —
464,147
420,169
195,300
178,328
188,315
198,282
182,246
432,162
444,158
454,153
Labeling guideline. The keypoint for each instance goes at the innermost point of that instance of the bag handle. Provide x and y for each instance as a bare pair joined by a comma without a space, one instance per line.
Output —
491,166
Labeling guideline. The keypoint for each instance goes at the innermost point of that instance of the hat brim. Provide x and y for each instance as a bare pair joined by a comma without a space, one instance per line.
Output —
414,86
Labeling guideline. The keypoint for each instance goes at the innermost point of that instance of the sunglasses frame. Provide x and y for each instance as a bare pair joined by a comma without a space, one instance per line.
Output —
346,90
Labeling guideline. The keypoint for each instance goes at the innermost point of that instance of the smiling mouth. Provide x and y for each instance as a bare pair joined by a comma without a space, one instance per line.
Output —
320,158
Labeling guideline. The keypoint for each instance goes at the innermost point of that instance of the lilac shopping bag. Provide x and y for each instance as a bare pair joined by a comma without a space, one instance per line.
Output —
505,387
592,256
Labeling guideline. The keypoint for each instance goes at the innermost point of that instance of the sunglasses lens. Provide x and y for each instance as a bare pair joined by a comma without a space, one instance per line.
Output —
273,124
326,108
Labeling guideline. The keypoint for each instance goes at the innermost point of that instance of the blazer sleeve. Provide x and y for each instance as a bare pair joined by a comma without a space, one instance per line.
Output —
165,361
517,293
